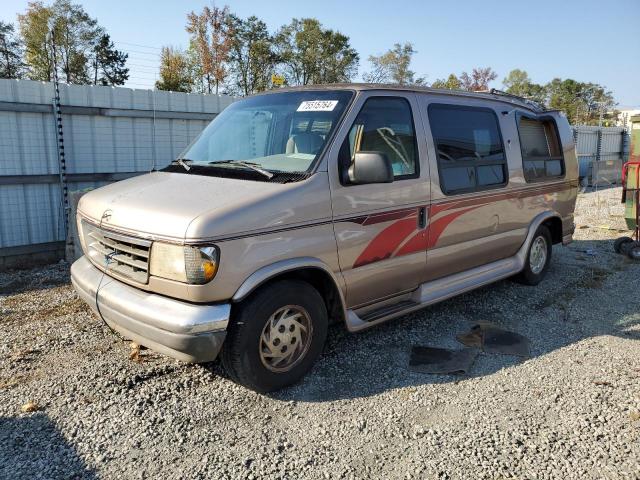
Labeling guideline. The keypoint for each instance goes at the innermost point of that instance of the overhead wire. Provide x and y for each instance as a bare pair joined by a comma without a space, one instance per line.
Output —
138,45
143,62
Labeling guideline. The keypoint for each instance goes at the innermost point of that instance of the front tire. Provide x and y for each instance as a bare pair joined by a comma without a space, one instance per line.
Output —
538,258
275,336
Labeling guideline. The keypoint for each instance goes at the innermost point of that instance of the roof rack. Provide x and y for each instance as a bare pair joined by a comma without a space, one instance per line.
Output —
533,104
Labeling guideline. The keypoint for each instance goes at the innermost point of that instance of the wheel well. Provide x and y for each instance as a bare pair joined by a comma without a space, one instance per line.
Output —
554,224
322,282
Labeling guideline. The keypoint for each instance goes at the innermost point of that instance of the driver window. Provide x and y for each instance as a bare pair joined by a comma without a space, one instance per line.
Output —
385,124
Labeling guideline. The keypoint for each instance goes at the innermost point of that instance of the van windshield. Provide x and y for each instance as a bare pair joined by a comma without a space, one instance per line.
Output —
277,132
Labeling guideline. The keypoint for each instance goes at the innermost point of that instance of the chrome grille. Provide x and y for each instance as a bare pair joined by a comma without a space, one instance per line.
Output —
118,254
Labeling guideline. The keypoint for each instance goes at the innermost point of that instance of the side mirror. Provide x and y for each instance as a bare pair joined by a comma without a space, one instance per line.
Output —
370,167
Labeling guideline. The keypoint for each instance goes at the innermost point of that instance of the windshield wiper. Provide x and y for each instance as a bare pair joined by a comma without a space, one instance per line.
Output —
183,163
249,165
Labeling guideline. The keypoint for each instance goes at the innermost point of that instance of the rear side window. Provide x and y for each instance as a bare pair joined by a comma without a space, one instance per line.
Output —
469,147
541,152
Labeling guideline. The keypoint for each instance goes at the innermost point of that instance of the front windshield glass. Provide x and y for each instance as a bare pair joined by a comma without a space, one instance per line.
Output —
277,132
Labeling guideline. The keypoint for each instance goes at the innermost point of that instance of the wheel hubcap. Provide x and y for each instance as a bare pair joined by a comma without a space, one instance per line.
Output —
285,338
538,255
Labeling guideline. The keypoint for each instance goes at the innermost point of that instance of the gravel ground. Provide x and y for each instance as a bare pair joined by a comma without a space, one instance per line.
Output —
570,411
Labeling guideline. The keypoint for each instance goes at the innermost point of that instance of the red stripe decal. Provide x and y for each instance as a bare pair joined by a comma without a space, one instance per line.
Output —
384,244
374,218
428,238
417,243
496,197
388,216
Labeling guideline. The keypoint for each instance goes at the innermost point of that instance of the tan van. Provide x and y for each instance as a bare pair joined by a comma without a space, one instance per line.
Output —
347,203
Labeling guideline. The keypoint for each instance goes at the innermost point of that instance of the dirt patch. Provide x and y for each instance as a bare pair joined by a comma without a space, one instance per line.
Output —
557,299
19,379
70,307
593,278
22,308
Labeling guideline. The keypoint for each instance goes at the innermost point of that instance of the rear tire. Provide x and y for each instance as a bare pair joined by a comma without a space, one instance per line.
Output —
538,258
620,242
275,336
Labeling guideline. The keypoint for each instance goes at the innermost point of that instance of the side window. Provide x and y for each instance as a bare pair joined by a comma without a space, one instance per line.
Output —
469,147
541,152
385,124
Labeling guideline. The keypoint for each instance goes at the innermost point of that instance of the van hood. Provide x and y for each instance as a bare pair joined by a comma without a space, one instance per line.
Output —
182,206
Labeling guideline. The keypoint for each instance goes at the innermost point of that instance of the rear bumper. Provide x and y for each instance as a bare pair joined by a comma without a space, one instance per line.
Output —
185,331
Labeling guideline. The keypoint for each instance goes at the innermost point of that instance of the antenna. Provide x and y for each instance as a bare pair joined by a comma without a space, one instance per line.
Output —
153,153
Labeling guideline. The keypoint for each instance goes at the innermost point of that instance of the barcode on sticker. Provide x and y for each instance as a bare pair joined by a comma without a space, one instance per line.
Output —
317,106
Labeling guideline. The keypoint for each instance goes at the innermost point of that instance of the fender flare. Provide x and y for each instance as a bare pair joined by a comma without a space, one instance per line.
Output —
533,226
266,273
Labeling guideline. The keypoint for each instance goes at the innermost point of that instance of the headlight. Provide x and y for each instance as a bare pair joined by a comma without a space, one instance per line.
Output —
194,265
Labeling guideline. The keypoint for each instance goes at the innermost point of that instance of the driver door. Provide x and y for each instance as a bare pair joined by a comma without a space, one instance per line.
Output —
381,228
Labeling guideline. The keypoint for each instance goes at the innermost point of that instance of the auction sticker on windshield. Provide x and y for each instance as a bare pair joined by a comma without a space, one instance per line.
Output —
317,106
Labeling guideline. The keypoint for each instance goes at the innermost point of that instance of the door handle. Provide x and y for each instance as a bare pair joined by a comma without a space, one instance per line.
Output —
422,217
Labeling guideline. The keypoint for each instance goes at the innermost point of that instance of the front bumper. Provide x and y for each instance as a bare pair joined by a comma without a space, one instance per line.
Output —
182,330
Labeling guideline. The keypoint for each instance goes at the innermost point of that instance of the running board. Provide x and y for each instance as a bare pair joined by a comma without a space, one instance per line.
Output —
437,291
374,315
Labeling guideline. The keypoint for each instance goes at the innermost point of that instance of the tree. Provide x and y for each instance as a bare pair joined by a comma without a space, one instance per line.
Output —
175,71
451,83
11,65
109,64
595,103
583,103
211,40
536,92
251,56
518,83
75,35
478,79
67,27
311,54
34,30
338,62
393,67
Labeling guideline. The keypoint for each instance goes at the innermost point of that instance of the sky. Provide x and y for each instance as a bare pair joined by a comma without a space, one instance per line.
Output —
587,40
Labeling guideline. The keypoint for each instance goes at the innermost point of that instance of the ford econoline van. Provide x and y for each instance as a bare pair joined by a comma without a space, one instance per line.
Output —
346,203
